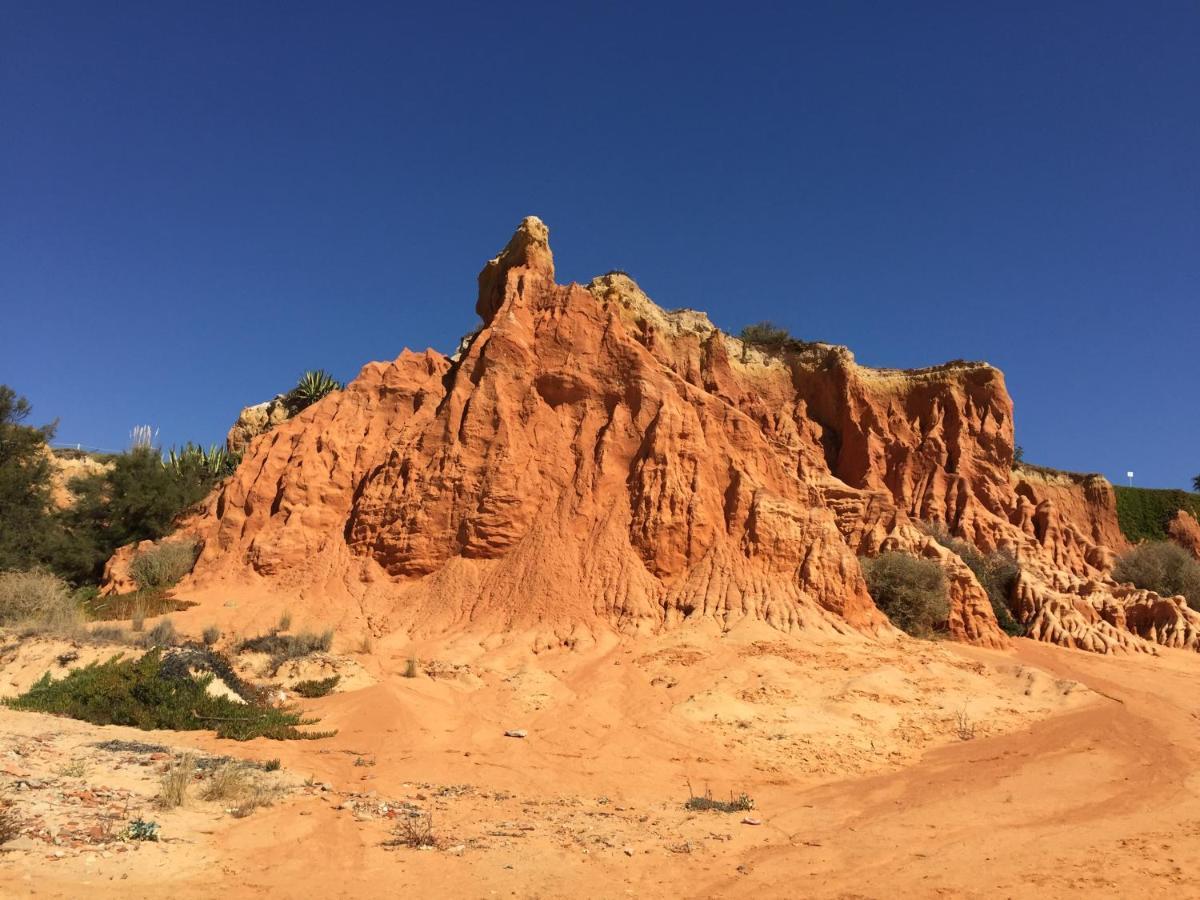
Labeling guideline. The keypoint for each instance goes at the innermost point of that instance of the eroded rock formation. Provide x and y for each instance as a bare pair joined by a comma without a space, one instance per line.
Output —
589,460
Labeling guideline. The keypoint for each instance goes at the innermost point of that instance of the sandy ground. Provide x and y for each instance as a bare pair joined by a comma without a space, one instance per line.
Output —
877,770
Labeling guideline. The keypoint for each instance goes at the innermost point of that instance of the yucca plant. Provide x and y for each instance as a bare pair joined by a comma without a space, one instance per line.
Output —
312,386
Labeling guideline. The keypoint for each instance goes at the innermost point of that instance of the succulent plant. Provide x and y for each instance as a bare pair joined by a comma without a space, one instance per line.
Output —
312,386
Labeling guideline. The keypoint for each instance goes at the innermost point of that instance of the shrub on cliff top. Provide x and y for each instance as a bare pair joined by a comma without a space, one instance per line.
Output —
1162,567
911,592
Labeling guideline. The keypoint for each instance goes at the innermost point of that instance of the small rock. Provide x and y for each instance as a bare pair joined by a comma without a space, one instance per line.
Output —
516,732
628,851
750,820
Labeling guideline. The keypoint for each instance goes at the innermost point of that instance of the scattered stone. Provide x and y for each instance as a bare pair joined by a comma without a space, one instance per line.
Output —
750,820
516,733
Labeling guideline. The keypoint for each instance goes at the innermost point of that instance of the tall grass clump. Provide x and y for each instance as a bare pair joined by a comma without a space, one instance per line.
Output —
172,790
911,592
285,647
1162,567
38,601
161,567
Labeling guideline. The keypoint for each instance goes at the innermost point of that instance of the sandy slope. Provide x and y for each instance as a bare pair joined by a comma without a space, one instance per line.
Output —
849,749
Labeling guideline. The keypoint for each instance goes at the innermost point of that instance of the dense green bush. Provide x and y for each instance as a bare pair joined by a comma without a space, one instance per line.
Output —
1162,567
144,694
996,572
910,591
766,335
161,567
26,518
139,499
1143,513
317,687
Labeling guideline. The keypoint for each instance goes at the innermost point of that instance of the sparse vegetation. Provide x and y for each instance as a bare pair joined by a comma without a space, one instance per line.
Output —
317,688
705,802
161,635
241,786
285,621
141,830
284,647
272,765
172,790
911,592
148,693
996,572
211,635
312,386
964,725
161,567
1143,513
410,668
1162,567
10,827
414,831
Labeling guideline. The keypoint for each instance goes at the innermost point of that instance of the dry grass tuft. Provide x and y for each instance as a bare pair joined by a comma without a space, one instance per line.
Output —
414,831
172,790
241,787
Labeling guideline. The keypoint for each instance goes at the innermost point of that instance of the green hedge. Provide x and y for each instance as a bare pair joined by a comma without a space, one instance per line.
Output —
1143,513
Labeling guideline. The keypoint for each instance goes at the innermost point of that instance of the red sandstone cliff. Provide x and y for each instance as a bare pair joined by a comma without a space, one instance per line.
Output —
592,461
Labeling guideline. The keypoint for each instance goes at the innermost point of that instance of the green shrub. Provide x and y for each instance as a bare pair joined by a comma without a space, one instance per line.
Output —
38,599
26,518
161,567
312,386
997,573
316,687
705,802
211,635
1162,567
138,499
766,335
145,693
911,592
1143,513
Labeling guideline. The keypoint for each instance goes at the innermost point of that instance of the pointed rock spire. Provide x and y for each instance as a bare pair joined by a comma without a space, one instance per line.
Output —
529,249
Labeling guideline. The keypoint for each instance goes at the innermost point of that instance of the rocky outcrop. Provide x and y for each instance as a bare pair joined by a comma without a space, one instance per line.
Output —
255,420
65,467
1184,530
589,460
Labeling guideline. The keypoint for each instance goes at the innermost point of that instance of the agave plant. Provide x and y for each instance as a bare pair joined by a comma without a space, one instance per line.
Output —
212,464
312,386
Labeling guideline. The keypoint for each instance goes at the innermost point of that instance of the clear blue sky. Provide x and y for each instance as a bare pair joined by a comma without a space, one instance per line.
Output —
200,200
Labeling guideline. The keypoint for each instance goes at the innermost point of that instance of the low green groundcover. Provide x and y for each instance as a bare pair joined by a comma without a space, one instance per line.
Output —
144,694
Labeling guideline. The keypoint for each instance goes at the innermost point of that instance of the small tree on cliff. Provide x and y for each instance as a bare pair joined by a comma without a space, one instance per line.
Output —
1196,483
